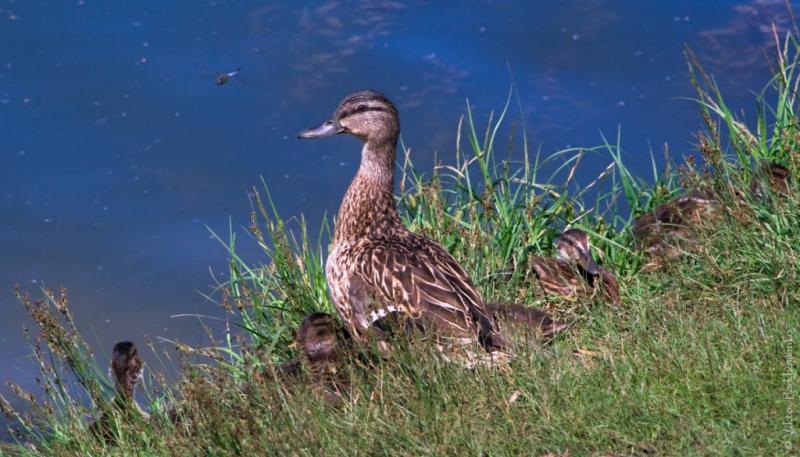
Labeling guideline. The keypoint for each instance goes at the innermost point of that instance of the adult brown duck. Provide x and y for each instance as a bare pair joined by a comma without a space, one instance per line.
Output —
376,266
574,272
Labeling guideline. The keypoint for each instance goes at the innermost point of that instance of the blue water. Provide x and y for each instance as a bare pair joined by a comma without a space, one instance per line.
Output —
118,150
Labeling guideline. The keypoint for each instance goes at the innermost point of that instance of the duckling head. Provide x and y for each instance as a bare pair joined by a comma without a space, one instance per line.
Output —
317,338
126,367
573,246
367,114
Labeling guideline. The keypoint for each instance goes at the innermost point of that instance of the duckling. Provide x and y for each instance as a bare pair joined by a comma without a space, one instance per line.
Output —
574,271
775,175
126,370
656,231
376,266
321,344
523,318
318,339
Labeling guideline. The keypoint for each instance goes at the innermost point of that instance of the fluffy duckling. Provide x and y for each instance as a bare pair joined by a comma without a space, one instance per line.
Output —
574,271
126,370
775,176
656,231
377,266
523,318
318,339
321,342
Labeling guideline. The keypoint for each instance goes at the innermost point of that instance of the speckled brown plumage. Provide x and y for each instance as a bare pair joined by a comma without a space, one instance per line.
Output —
322,345
772,175
318,339
657,232
126,369
574,273
376,265
526,319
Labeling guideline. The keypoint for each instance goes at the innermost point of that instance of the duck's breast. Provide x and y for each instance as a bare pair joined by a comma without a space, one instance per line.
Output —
349,291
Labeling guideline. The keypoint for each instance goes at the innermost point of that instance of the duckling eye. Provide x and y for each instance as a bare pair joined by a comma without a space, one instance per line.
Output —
361,108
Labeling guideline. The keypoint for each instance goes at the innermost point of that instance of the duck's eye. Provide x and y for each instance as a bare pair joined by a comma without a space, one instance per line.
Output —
361,108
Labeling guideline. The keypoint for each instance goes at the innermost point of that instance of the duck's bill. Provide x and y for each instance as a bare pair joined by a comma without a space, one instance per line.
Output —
329,128
589,265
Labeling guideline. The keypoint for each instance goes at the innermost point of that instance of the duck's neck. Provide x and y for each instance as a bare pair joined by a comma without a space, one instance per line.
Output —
368,207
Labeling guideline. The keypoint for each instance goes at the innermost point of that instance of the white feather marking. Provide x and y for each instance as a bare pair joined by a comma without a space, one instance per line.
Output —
382,312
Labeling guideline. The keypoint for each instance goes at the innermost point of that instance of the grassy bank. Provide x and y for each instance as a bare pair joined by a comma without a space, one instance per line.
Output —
700,357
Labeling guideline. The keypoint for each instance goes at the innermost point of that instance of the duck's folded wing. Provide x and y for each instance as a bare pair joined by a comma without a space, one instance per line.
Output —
422,278
554,276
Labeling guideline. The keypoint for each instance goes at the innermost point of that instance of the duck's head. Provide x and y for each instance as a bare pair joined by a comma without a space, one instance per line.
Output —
126,367
573,246
317,338
367,114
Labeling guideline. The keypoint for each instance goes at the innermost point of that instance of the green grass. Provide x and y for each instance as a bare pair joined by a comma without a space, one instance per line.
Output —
700,358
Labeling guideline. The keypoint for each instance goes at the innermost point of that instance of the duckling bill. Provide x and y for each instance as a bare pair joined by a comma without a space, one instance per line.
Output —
376,265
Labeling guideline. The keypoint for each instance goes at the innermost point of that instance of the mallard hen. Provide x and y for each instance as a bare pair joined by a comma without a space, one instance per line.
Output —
377,266
574,271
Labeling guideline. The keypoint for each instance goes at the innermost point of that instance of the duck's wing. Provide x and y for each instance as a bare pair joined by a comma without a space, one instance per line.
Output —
609,286
556,277
420,276
515,313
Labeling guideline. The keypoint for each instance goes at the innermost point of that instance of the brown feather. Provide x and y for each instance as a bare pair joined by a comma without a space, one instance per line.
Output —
567,277
557,277
521,316
376,265
656,232
321,343
609,286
